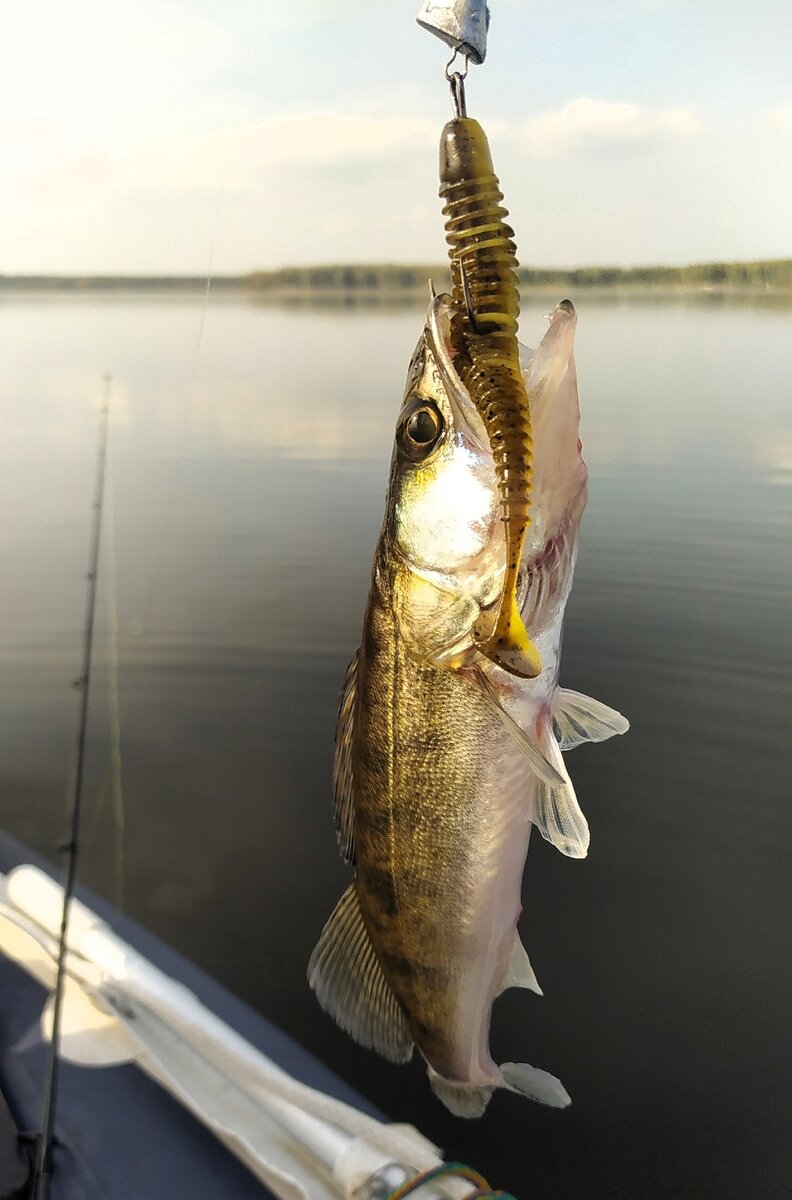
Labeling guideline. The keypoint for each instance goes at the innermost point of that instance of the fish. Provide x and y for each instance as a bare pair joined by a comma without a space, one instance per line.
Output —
444,759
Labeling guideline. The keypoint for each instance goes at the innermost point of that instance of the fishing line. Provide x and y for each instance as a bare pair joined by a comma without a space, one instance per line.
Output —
116,766
43,1165
112,780
170,507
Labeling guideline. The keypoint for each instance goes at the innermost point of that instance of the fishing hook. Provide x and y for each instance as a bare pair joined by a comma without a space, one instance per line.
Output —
468,299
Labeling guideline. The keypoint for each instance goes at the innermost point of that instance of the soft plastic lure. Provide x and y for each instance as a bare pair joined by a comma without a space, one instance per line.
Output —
485,287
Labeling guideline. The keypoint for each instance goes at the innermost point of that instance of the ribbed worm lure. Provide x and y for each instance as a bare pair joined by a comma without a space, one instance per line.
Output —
485,287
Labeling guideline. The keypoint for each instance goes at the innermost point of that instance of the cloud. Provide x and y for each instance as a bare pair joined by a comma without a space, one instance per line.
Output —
235,158
40,165
780,118
587,121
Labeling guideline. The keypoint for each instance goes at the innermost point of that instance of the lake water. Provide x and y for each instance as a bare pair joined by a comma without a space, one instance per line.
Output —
249,455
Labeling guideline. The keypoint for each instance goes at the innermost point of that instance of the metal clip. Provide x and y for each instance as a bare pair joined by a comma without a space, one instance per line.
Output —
456,81
462,25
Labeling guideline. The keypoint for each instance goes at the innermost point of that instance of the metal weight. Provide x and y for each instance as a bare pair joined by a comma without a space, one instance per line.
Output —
461,24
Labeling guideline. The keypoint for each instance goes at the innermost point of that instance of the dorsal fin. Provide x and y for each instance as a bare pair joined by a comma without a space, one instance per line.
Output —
343,786
345,973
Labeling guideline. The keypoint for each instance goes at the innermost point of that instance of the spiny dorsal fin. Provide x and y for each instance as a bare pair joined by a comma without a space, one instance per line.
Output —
578,718
343,787
349,984
519,972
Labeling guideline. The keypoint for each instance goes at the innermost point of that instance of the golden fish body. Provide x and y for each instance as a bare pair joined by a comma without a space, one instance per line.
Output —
433,836
444,760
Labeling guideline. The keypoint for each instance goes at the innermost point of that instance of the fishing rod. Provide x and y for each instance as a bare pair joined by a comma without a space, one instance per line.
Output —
43,1166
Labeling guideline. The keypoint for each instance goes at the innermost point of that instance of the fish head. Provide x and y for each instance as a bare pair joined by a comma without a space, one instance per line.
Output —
444,523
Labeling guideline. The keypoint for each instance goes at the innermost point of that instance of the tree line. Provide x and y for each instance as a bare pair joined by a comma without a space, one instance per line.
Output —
775,273
394,278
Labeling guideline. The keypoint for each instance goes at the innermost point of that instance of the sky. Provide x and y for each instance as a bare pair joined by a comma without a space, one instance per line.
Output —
182,136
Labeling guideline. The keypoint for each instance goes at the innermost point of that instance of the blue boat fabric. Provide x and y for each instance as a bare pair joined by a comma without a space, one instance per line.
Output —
14,1162
118,1135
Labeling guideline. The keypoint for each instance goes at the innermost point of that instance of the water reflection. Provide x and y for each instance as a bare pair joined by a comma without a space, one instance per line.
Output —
323,384
247,480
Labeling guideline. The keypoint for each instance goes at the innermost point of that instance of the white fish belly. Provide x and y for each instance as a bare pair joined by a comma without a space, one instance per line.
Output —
490,923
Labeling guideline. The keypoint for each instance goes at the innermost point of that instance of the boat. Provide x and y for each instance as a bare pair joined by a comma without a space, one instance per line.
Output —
169,1086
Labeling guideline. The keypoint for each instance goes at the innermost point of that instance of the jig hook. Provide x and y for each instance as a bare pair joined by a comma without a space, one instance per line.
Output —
468,299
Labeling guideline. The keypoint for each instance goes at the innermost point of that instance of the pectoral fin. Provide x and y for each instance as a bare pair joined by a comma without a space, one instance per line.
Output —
346,975
557,814
531,751
578,718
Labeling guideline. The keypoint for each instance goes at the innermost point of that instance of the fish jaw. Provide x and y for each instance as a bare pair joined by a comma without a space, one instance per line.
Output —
442,523
443,518
560,472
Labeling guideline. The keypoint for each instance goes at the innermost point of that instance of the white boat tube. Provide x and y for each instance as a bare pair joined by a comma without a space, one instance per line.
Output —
118,1007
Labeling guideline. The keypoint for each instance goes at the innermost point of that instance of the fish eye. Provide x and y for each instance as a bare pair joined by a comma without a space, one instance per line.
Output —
420,431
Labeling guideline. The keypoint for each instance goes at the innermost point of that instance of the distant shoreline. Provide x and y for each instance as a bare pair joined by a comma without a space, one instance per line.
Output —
393,281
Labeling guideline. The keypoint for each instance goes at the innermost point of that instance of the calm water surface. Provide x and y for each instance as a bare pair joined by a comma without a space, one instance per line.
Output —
246,493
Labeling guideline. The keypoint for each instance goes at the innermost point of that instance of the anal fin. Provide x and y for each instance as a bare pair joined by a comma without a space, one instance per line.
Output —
578,718
346,975
519,972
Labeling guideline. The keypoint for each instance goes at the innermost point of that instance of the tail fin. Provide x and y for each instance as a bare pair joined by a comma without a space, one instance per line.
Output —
462,1099
470,1099
535,1084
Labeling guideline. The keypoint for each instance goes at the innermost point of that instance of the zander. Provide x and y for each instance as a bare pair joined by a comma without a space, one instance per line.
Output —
445,758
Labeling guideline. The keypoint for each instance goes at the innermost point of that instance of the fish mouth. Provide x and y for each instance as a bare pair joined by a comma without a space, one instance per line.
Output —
438,329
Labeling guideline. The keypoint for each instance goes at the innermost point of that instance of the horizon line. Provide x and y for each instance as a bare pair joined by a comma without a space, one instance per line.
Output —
382,265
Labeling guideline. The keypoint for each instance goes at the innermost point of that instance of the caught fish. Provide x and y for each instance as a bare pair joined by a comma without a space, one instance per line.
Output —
445,758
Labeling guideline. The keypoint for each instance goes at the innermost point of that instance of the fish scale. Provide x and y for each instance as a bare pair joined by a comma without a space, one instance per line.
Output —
483,256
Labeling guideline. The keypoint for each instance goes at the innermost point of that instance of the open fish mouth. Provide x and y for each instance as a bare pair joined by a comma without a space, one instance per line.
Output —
559,471
442,312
